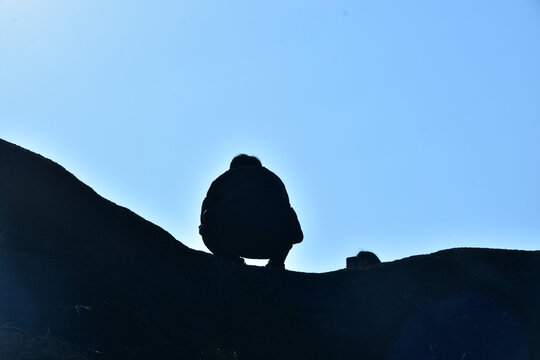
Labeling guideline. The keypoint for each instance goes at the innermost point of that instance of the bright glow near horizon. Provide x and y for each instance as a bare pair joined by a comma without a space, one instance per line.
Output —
399,128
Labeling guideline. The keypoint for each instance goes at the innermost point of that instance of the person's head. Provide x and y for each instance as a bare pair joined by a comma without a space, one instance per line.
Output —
244,160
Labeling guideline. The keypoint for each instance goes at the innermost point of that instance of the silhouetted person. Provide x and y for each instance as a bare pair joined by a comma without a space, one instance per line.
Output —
246,213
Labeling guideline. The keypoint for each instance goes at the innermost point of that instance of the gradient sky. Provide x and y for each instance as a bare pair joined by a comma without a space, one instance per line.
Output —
398,127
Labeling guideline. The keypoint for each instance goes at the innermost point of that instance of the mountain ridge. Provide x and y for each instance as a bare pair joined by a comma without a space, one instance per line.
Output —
109,284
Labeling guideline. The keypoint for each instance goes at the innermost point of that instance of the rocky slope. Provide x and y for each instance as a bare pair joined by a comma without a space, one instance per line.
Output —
83,278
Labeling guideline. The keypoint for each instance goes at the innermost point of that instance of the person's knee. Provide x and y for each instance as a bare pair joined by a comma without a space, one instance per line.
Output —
280,252
210,239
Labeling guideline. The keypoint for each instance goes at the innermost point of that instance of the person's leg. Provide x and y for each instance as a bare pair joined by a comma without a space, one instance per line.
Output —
277,260
214,243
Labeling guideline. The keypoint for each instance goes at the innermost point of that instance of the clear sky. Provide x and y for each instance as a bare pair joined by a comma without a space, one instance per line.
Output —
399,127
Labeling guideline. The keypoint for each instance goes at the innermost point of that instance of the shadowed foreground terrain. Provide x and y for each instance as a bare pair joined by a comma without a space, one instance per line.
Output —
83,278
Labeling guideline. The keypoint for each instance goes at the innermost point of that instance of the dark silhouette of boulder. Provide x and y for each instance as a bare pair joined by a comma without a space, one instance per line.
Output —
83,278
363,260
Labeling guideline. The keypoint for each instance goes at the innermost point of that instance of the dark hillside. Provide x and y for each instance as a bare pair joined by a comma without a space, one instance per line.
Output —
83,278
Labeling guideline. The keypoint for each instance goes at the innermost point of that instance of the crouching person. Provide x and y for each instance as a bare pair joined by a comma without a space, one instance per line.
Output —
247,214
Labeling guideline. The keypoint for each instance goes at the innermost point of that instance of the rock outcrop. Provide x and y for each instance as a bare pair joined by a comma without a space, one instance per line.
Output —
83,278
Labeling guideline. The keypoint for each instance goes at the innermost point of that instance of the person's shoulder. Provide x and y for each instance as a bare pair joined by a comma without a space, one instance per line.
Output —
274,178
222,176
219,180
270,172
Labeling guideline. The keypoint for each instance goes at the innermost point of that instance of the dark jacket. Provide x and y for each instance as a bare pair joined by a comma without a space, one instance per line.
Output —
248,207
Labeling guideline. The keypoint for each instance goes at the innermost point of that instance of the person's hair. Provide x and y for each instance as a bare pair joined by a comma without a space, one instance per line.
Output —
244,160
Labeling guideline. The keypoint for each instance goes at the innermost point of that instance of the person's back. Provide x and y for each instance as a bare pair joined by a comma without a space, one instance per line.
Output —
246,213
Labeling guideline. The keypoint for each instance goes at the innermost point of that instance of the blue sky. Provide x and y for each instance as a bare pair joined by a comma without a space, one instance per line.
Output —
398,127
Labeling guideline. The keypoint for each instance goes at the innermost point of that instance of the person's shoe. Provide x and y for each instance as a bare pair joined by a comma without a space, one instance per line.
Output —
275,264
233,259
238,261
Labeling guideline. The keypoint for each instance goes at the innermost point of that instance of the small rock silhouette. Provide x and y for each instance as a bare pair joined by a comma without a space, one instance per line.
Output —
363,260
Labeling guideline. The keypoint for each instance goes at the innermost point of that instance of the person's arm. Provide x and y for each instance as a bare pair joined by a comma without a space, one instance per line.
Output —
212,195
207,202
204,207
298,234
278,184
